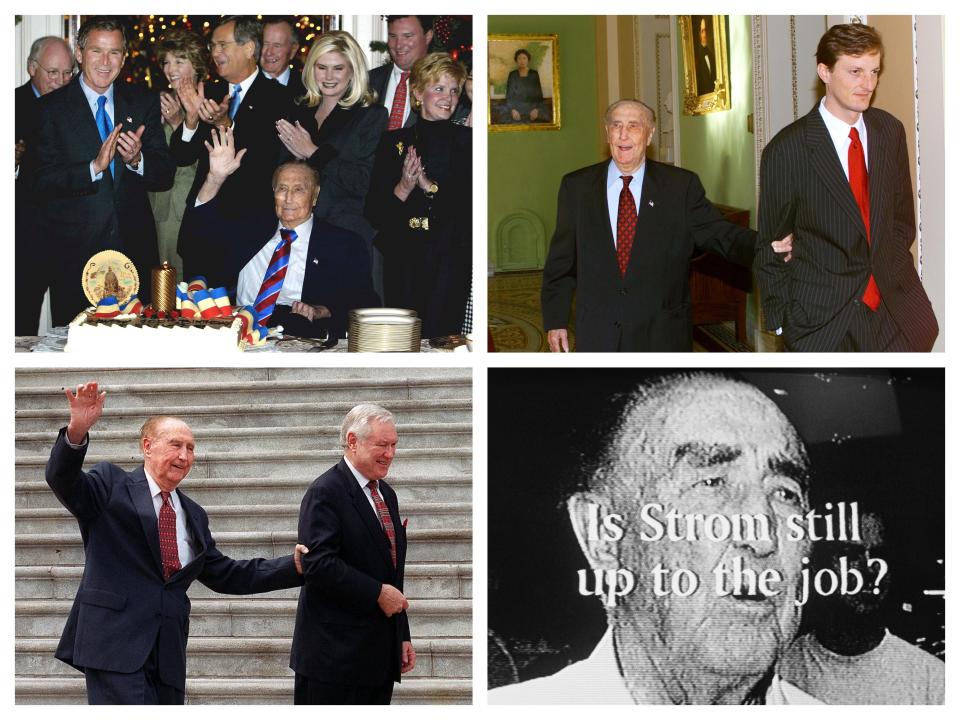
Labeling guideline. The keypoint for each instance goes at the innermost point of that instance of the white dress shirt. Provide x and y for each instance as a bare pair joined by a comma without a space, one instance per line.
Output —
283,78
614,186
251,277
363,483
392,90
188,134
185,542
92,100
840,135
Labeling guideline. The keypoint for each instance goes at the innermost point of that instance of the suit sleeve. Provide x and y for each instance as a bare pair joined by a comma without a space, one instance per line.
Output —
353,165
560,269
384,210
320,530
83,494
159,167
712,232
777,212
187,153
245,577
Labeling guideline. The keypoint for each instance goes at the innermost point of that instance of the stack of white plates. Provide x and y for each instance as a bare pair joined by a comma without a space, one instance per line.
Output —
383,330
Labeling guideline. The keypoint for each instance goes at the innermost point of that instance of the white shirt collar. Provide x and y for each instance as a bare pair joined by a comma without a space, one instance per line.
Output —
92,95
245,84
358,476
156,490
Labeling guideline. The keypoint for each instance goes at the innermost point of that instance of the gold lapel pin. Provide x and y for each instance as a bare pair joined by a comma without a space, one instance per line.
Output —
399,147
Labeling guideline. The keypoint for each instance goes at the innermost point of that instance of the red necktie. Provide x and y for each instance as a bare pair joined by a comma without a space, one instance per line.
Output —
626,224
272,283
399,102
167,525
384,514
860,187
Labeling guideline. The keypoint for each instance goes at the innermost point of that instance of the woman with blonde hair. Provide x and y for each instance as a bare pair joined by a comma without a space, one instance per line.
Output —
420,201
336,127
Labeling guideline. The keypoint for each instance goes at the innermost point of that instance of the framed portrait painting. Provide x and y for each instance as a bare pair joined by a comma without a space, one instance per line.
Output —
524,76
706,63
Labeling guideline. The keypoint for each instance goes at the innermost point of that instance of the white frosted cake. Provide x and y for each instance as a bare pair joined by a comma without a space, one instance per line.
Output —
118,336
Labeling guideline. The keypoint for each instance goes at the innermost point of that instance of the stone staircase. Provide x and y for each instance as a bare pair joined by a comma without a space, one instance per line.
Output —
239,646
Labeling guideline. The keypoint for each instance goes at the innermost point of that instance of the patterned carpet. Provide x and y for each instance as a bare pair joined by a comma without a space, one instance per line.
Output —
513,307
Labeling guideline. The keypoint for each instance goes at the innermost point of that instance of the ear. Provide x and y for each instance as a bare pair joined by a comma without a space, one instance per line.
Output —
586,511
824,72
351,440
653,129
145,446
429,36
78,53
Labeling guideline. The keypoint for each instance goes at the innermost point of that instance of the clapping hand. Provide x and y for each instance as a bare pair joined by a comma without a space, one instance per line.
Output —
86,407
107,150
129,144
409,174
296,139
170,109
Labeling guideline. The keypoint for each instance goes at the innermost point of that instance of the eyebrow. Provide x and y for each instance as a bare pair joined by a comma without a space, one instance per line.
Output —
702,455
791,468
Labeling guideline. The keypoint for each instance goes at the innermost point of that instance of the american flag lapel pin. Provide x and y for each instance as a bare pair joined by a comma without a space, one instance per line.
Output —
130,120
316,261
650,203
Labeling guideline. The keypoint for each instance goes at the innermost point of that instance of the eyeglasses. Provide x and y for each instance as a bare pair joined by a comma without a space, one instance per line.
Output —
53,73
220,45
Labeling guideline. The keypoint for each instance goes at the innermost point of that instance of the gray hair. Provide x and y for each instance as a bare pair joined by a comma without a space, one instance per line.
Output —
359,420
637,449
40,43
652,116
246,28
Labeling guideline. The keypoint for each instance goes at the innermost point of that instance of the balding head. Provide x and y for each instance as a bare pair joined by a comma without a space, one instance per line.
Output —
167,445
50,64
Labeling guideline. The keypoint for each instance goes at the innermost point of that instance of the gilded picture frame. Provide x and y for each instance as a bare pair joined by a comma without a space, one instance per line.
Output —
706,63
523,73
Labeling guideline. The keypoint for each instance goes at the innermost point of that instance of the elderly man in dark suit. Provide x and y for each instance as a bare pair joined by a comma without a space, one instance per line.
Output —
99,149
248,102
280,45
838,179
50,66
626,230
144,543
326,269
408,40
352,637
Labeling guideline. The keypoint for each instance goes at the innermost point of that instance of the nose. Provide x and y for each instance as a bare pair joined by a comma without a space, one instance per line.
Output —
871,82
760,538
390,452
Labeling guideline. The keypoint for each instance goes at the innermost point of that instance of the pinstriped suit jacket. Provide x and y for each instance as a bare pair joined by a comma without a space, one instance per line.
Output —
803,190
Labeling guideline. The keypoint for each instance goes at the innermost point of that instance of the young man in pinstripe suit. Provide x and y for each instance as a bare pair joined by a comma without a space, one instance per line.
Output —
838,180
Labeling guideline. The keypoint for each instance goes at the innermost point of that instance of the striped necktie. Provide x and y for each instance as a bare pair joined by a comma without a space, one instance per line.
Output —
273,278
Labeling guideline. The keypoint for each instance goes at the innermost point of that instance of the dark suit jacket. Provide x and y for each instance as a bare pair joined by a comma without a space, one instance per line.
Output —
427,271
803,190
295,86
379,79
648,309
338,264
86,217
30,240
250,187
342,635
346,145
123,605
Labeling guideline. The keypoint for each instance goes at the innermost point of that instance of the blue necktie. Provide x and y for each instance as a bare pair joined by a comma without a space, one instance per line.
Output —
103,123
235,101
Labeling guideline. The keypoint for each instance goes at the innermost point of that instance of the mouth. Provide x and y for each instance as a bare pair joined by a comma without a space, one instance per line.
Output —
330,85
751,602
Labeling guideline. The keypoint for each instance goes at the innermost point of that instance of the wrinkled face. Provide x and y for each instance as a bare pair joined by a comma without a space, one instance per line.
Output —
439,99
101,59
294,195
234,61
726,450
178,69
168,456
332,73
850,84
278,48
52,69
407,42
372,455
629,131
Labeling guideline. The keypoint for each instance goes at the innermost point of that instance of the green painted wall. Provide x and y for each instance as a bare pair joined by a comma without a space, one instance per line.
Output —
717,146
525,168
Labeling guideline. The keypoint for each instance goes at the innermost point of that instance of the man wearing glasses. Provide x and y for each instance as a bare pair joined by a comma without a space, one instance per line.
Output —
50,65
249,102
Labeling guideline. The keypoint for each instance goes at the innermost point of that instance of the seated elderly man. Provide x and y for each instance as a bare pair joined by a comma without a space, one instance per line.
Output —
697,444
295,269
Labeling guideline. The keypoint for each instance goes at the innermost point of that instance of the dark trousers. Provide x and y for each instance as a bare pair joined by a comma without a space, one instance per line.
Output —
307,691
140,687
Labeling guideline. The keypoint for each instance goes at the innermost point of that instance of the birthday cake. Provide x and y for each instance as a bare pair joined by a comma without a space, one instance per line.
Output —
119,335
